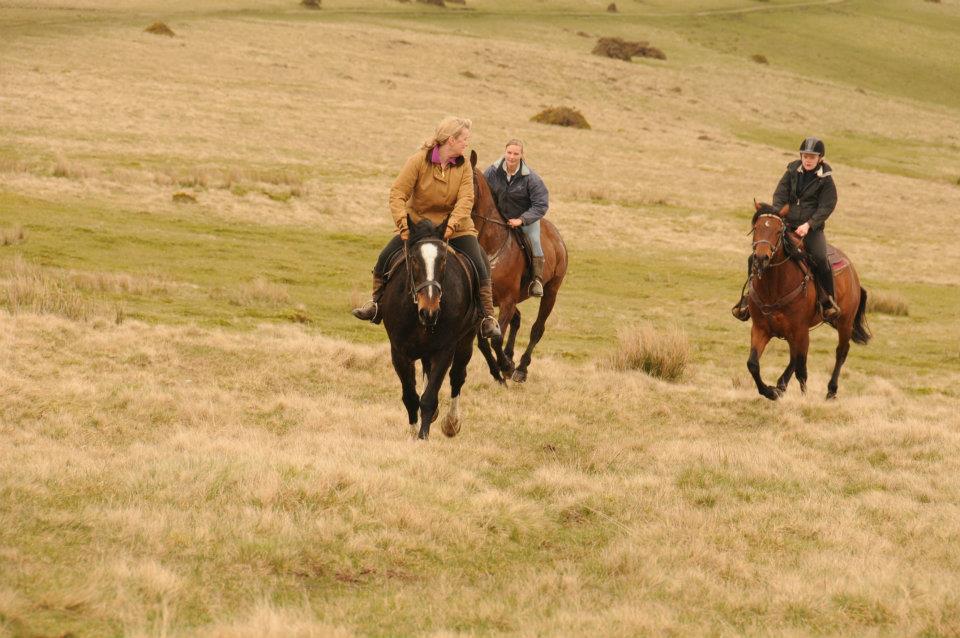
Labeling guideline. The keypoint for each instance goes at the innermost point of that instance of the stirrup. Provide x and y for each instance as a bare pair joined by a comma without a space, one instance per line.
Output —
488,332
367,312
829,309
535,288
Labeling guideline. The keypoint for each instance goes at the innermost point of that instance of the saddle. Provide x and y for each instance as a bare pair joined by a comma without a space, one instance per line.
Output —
838,260
397,260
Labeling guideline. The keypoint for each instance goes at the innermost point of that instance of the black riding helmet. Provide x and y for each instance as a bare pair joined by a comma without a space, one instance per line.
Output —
813,145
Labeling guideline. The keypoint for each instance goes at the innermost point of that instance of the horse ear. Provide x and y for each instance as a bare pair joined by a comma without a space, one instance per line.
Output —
756,205
473,159
783,211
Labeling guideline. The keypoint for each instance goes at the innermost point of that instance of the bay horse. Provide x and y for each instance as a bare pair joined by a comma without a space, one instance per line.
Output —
420,327
783,301
508,270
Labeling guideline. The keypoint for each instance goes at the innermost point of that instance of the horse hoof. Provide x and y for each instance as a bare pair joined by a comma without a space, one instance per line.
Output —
451,427
519,376
772,393
831,395
423,436
507,368
782,387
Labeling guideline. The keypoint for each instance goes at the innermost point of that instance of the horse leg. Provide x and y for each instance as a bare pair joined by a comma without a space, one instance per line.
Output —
784,379
512,339
843,347
408,381
758,342
428,400
800,344
536,332
507,309
458,375
491,360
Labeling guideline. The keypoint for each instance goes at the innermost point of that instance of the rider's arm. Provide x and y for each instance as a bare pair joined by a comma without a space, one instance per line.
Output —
460,216
781,195
539,200
402,189
826,202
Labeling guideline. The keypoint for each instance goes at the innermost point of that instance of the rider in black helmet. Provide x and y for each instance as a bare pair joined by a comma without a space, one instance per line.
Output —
807,186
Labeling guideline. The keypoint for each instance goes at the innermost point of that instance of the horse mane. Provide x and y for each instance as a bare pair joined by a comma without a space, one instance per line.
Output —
764,209
424,229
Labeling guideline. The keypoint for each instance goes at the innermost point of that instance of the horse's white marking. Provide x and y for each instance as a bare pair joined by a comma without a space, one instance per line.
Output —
767,223
454,411
429,254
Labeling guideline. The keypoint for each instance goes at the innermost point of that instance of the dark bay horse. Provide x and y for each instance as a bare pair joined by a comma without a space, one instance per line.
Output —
508,269
420,327
783,302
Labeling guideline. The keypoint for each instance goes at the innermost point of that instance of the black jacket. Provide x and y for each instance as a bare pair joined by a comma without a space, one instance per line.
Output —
525,196
814,204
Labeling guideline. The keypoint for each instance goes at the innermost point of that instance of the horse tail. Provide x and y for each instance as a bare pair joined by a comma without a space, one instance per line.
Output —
861,333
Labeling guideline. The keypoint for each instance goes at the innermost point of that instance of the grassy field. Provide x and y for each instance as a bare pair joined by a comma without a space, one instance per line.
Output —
197,439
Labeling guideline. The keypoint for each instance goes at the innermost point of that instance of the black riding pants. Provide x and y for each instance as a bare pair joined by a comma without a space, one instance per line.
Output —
815,243
467,244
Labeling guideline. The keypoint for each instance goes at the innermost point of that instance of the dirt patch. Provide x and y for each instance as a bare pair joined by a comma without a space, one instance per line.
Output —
621,49
160,28
561,116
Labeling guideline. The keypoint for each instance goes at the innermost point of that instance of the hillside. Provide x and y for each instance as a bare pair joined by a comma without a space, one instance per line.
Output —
196,438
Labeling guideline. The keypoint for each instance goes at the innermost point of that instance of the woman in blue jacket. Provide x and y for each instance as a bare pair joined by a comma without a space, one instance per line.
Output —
522,198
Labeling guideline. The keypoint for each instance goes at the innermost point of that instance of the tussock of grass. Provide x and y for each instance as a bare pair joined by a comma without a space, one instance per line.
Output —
759,58
561,116
612,7
887,303
183,198
662,354
11,236
621,49
259,292
26,288
310,4
160,28
68,169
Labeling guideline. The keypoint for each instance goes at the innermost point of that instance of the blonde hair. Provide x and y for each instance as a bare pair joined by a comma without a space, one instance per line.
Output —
450,126
514,142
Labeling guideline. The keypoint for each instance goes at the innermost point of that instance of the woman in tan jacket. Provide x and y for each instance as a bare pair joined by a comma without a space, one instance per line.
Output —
436,183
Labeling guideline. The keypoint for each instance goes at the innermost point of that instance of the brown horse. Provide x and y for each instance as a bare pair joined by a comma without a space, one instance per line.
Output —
508,268
783,302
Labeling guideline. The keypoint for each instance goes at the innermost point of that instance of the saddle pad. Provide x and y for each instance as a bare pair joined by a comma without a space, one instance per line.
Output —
838,261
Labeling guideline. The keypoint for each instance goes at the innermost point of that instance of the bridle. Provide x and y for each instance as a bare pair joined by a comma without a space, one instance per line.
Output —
416,288
774,246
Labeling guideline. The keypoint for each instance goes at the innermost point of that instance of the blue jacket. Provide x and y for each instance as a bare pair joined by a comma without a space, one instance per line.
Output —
525,196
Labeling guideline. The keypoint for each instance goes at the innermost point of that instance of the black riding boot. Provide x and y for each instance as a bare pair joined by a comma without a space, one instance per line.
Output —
536,286
370,311
827,302
741,310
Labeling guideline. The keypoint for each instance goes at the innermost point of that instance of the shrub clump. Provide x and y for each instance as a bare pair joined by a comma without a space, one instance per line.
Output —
759,58
184,198
310,4
664,355
621,49
889,303
159,28
612,7
561,116
436,3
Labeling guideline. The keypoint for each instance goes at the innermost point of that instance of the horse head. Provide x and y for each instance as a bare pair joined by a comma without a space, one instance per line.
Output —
426,253
769,229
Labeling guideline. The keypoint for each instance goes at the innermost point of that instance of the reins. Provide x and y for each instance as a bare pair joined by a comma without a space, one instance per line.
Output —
765,308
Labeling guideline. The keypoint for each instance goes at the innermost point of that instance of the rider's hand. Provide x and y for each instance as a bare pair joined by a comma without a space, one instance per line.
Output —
515,222
447,233
404,234
803,229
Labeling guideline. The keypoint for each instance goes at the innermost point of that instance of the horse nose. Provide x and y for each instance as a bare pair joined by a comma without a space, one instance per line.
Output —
428,316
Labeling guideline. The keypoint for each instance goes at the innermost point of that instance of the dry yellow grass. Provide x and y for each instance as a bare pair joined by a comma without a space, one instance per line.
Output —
662,354
186,480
